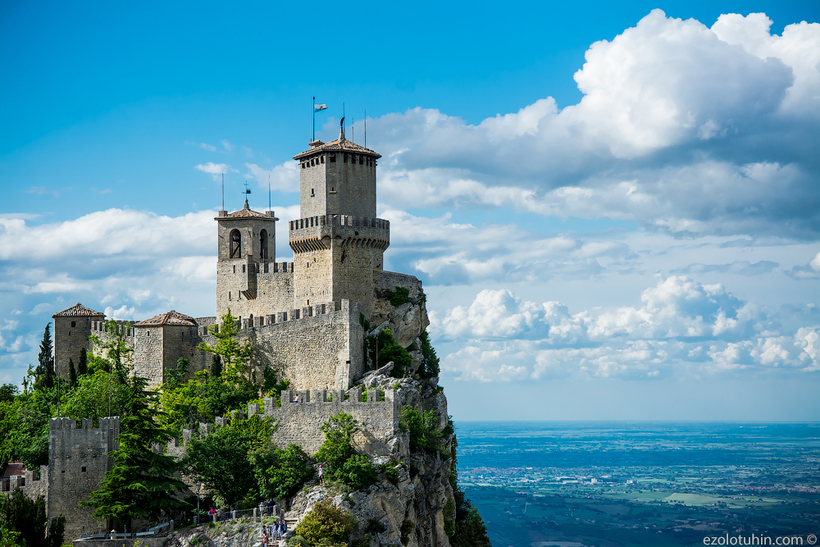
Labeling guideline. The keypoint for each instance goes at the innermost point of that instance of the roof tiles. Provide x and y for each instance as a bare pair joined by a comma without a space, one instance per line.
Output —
78,310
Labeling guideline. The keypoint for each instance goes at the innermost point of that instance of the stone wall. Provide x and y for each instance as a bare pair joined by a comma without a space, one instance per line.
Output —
78,459
33,484
316,347
333,183
300,422
253,288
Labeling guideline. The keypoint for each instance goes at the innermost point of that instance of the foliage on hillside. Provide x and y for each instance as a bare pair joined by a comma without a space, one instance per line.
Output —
344,465
326,525
142,483
23,522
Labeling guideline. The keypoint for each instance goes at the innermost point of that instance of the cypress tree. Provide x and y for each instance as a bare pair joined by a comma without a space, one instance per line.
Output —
72,374
45,368
141,484
82,366
216,366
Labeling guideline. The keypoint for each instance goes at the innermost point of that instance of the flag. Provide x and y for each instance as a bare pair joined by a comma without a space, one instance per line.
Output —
318,107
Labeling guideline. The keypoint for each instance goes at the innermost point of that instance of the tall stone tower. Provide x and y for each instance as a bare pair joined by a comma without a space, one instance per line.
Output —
338,242
72,327
246,247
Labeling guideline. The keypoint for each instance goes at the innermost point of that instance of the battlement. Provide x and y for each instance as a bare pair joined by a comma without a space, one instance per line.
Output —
56,424
314,233
124,327
299,415
306,312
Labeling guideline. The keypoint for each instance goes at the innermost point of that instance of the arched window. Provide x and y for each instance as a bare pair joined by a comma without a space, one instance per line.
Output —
263,244
236,244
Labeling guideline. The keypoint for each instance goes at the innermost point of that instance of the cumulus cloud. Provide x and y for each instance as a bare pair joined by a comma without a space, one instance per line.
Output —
214,169
809,271
686,129
435,247
680,323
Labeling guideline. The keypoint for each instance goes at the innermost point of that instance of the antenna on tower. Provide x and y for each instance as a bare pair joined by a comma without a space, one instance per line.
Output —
223,191
268,192
365,128
353,130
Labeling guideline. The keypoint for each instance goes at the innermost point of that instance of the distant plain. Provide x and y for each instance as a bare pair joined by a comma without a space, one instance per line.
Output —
572,484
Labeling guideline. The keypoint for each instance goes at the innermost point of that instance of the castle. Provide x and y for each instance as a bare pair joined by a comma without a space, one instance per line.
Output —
304,319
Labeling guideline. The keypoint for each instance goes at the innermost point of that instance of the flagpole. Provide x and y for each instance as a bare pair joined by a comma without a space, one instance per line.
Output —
313,133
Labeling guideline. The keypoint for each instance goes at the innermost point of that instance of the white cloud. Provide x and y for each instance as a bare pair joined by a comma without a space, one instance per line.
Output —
809,271
681,128
227,145
665,336
214,169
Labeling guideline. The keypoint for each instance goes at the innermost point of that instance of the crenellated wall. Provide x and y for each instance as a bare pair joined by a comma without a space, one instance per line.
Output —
302,413
253,288
78,459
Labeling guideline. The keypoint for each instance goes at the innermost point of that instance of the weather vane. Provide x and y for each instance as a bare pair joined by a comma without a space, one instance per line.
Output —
247,190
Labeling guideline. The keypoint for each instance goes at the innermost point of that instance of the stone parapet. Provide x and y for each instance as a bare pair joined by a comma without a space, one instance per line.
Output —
315,233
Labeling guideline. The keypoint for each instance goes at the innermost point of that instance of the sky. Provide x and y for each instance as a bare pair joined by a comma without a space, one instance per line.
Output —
614,207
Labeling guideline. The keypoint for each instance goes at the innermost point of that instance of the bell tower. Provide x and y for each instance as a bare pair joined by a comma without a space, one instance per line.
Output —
338,242
246,248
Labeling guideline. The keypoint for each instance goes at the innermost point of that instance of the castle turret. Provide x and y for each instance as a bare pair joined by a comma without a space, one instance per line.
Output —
246,248
72,327
338,242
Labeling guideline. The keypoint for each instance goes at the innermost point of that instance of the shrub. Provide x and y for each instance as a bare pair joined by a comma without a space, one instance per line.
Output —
423,428
407,528
325,522
400,296
390,350
357,472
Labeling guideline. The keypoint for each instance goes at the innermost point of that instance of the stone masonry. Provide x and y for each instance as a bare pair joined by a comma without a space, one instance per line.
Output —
303,319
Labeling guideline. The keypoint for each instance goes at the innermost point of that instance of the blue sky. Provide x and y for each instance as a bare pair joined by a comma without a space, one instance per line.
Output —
614,210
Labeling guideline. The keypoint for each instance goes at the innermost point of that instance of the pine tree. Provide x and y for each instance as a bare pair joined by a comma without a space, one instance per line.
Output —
141,484
45,369
72,373
82,366
235,357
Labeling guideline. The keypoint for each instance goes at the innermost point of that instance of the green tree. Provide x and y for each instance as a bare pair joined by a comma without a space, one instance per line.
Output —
337,451
115,349
82,366
97,395
45,369
201,399
429,367
222,460
72,373
468,528
325,522
423,428
26,518
8,392
142,483
235,357
389,350
280,473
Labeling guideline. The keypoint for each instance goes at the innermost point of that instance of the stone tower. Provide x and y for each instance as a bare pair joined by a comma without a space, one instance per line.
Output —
246,247
72,327
338,242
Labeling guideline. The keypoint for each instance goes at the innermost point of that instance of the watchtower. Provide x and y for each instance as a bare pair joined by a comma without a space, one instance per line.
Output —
246,247
338,242
72,327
